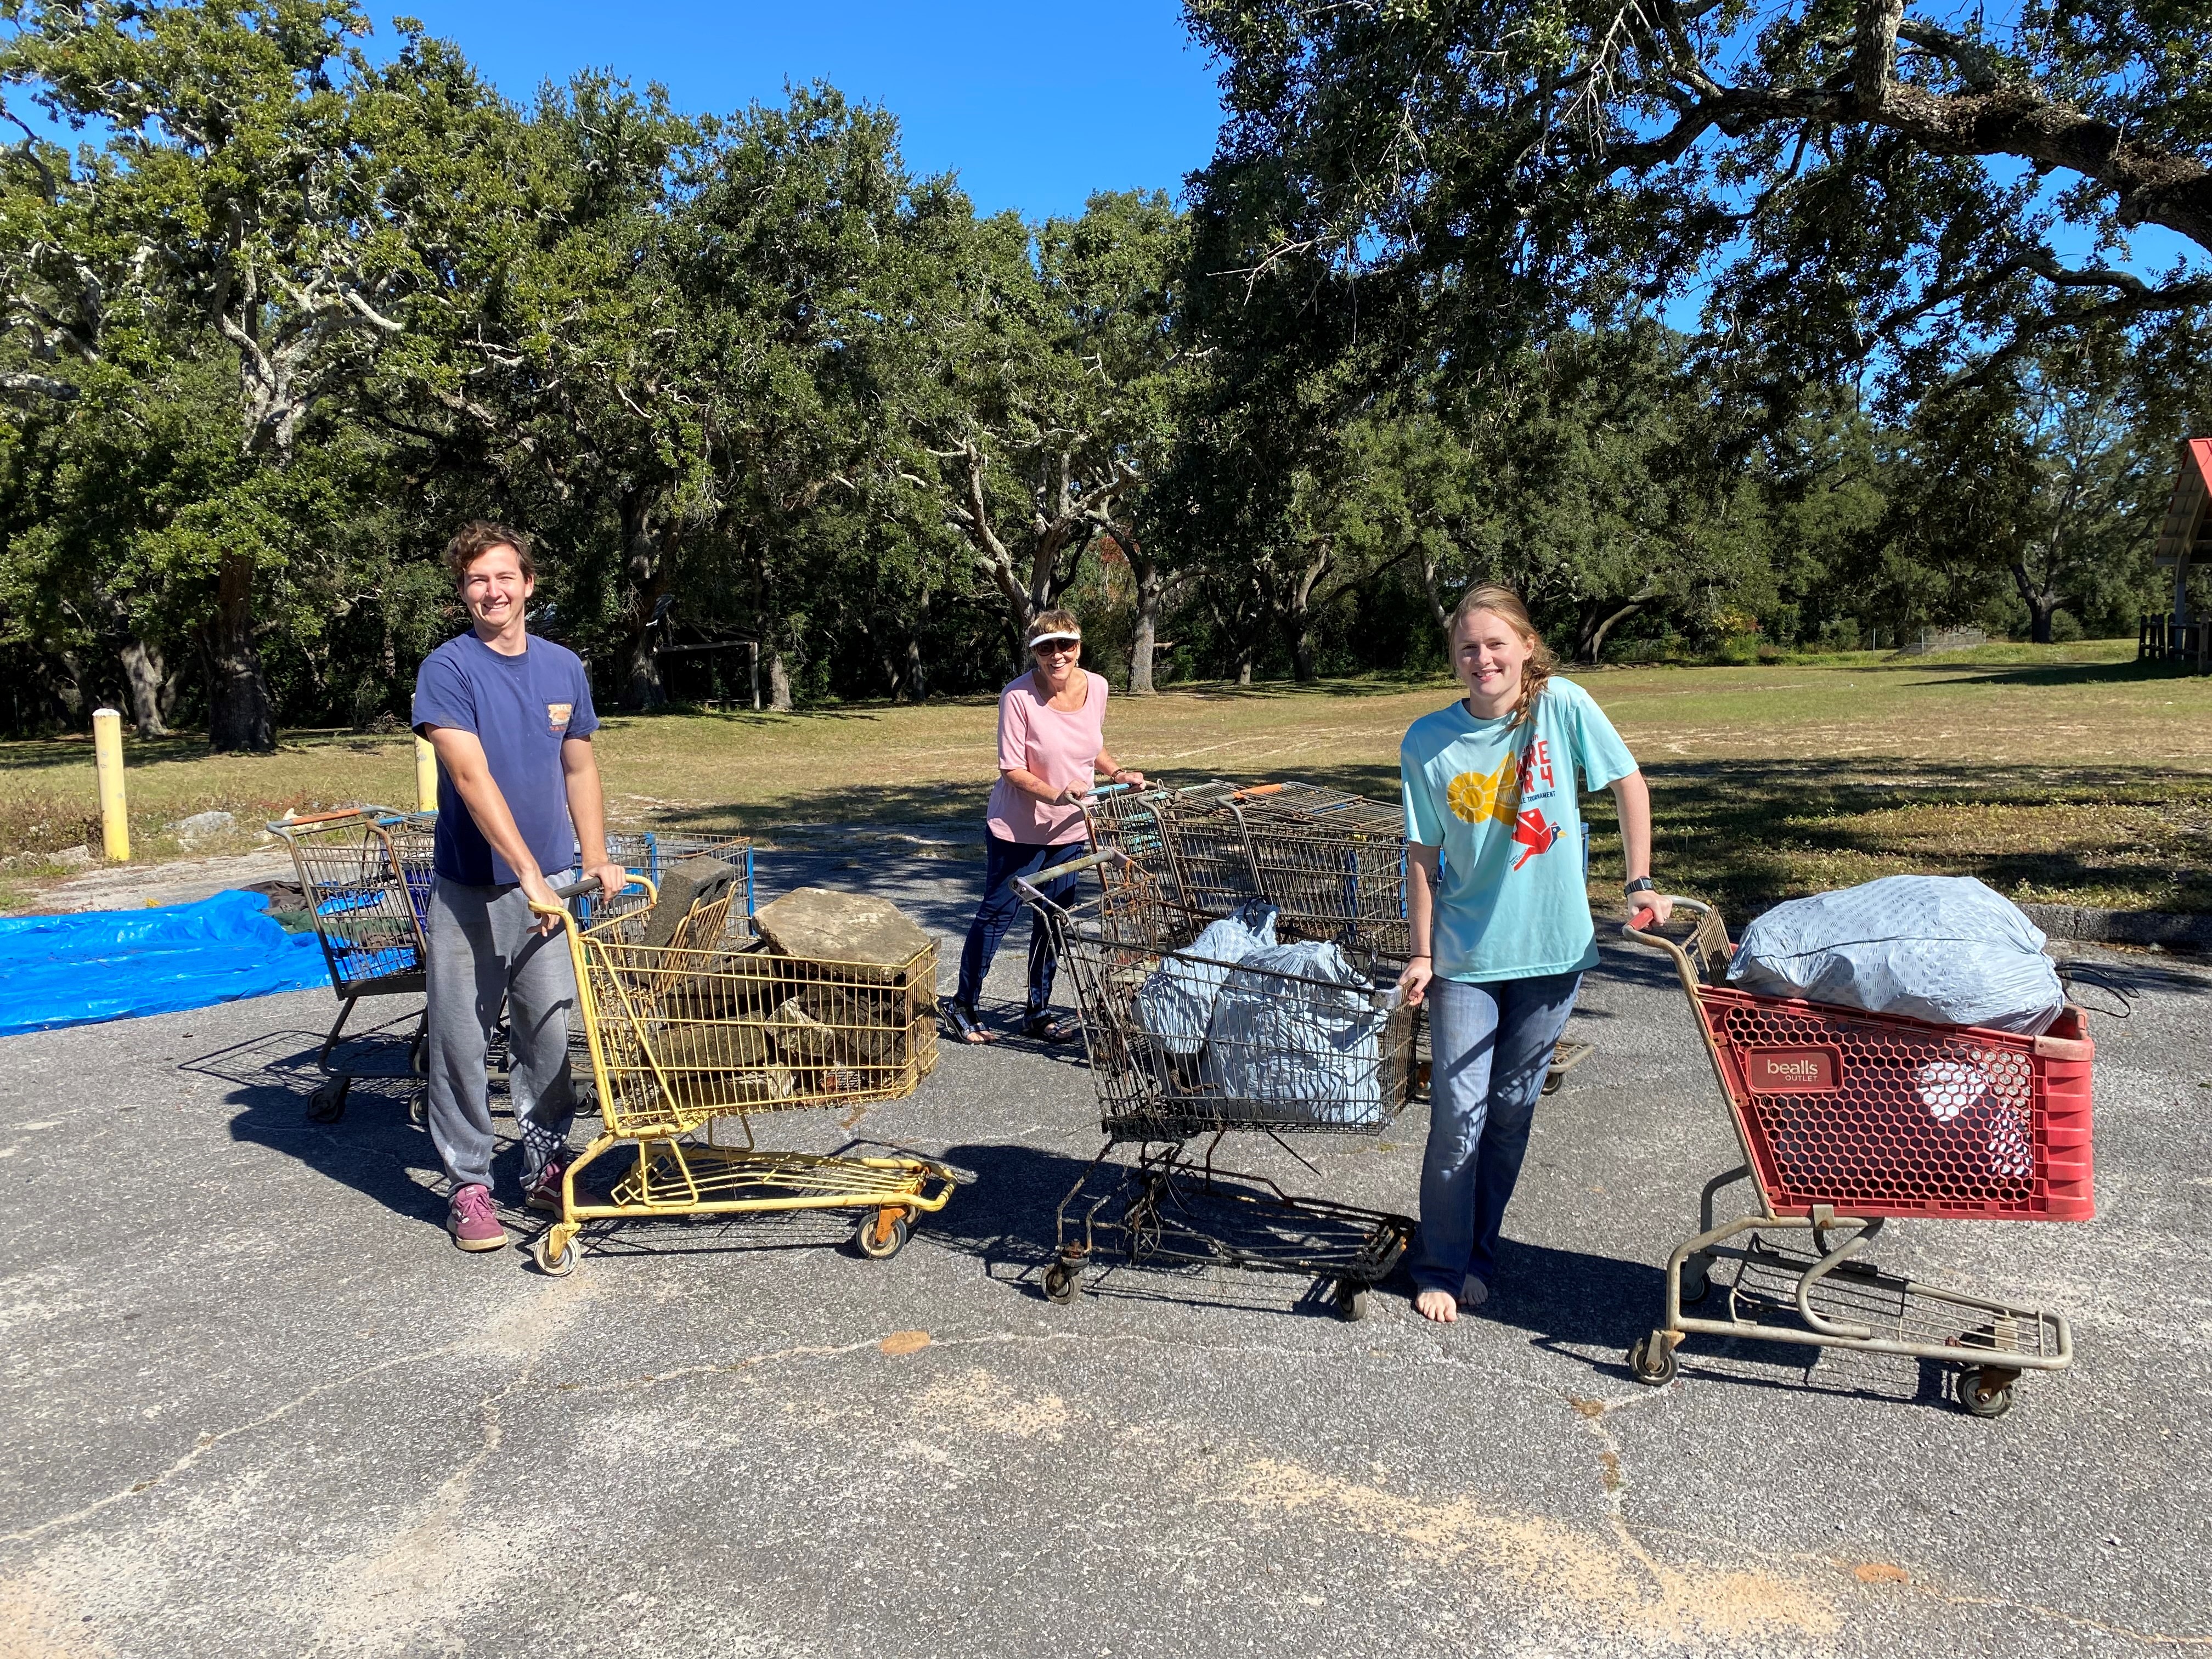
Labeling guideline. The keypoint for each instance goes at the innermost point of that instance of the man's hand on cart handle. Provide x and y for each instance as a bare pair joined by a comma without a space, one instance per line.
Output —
611,877
1650,909
1414,981
544,902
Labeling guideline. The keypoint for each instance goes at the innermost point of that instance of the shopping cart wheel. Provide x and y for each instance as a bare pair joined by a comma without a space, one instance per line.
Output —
1060,1283
327,1103
417,1046
1651,1361
1350,1300
418,1107
1986,1392
557,1265
1697,1282
878,1238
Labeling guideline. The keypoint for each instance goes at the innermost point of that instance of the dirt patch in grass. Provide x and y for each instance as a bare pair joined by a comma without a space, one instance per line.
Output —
2065,773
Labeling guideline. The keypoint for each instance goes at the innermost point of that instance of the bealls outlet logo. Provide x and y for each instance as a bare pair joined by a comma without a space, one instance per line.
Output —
1793,1071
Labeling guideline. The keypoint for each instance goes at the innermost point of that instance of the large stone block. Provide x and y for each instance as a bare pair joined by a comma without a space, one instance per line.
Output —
815,923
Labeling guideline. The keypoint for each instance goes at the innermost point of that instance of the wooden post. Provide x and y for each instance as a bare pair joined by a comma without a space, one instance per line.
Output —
426,776
107,758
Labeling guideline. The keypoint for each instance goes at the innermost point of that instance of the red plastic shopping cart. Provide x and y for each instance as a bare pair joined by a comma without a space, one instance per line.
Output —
1848,1120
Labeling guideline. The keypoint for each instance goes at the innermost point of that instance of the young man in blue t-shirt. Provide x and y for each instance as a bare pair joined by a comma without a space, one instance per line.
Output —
510,716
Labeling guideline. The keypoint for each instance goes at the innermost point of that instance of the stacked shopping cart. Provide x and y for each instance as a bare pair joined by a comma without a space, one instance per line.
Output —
1188,1047
365,876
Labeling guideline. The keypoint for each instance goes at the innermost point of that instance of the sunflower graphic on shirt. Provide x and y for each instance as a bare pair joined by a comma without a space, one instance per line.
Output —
1475,796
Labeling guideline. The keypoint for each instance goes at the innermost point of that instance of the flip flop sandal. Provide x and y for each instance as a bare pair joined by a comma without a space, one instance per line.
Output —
965,1026
1050,1029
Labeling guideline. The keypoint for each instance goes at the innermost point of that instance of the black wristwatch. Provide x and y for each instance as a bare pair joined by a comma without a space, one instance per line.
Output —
1641,884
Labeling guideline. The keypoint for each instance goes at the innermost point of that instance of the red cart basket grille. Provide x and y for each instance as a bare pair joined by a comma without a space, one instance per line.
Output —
1881,1116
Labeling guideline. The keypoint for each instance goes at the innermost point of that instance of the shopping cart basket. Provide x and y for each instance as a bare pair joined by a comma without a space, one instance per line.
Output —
1332,863
1277,1053
708,1030
1851,1120
364,873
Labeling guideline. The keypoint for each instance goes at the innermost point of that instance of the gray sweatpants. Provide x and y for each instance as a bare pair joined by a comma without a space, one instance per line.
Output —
481,952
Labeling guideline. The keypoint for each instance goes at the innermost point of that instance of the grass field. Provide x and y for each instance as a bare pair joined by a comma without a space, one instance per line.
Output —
2061,773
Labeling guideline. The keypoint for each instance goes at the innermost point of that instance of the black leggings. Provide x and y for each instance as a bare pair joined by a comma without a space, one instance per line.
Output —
1006,860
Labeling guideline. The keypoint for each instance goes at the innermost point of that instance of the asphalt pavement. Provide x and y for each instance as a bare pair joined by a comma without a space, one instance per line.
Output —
254,1402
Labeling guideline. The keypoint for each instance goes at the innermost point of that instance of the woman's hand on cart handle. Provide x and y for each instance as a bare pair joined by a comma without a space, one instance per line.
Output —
1414,981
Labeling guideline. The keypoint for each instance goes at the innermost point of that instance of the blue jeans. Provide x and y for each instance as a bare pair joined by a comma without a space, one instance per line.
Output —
1491,1046
1002,860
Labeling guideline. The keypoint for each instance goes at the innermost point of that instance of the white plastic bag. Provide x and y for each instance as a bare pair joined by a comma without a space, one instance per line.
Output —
1938,948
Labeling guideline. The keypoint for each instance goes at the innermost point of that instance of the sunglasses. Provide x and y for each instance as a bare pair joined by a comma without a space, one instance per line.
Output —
1059,648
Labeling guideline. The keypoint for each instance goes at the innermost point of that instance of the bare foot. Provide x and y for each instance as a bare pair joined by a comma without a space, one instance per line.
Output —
1441,1306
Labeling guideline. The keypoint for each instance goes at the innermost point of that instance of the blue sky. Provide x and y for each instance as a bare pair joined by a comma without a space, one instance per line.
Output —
1035,105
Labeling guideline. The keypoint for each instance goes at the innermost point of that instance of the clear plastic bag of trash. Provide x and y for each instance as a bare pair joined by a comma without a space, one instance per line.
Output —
1940,948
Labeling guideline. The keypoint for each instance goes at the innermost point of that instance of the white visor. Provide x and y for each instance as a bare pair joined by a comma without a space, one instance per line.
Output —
1037,639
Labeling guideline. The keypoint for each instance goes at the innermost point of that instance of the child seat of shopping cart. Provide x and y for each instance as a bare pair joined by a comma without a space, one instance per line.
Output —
1847,1119
1293,1053
713,1028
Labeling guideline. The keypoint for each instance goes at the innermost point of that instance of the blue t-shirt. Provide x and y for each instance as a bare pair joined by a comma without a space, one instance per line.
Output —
521,708
1500,801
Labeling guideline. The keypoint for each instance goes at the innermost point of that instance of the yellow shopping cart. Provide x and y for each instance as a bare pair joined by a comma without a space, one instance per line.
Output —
713,1029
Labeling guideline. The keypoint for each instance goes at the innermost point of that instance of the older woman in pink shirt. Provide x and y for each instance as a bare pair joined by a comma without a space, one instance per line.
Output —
1051,745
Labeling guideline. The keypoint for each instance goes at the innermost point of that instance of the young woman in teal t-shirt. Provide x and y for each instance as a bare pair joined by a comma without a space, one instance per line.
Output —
1501,921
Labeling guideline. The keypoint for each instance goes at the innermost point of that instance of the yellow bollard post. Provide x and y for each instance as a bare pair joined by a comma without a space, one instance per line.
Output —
108,755
426,776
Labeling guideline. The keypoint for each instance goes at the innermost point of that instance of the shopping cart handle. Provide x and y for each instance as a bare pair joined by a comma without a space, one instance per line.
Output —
277,826
1029,893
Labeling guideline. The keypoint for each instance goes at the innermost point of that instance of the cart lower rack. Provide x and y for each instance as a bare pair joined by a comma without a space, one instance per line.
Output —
1847,1120
1185,1049
692,1036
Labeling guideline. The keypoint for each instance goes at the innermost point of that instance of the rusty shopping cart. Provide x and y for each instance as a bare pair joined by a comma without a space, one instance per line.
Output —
1847,1120
1332,863
712,1029
365,877
1182,1050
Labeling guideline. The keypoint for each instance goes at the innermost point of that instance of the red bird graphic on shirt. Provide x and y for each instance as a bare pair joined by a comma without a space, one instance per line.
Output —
1530,830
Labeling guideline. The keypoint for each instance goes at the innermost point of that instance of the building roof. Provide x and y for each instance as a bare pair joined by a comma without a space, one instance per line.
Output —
2187,533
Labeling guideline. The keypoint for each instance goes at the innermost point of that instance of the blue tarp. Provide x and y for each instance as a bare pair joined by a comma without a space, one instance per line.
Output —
114,964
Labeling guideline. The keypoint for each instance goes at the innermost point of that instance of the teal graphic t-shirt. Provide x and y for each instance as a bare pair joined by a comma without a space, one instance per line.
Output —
1500,801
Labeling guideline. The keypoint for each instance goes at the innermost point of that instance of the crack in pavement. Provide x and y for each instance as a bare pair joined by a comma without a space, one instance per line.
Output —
208,1443
1614,1475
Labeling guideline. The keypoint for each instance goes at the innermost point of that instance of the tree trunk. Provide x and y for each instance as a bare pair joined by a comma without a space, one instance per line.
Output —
241,719
1598,618
142,676
1436,597
1144,580
650,563
778,683
2042,602
1302,651
1244,664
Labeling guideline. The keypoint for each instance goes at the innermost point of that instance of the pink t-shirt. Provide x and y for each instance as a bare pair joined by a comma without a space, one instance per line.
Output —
1054,745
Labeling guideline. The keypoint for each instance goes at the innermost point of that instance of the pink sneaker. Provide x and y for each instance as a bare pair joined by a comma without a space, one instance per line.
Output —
544,1193
472,1221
